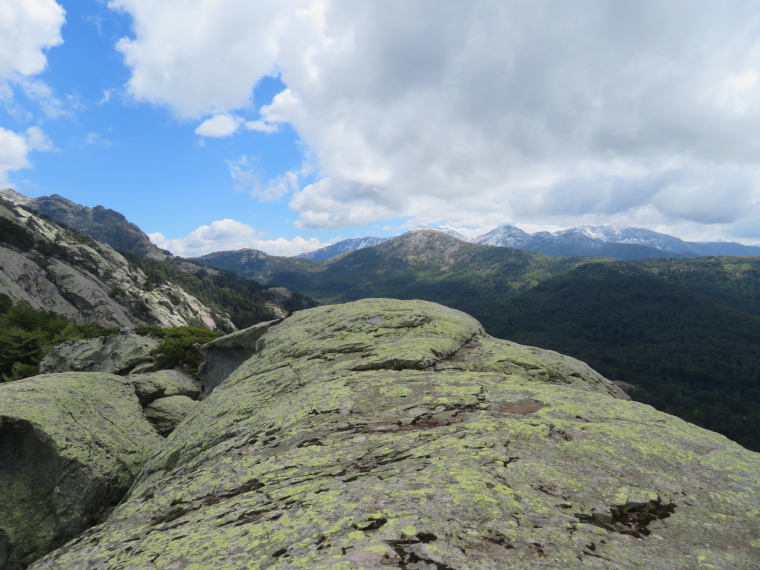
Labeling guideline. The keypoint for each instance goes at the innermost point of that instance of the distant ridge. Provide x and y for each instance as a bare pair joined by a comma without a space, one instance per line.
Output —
102,224
626,244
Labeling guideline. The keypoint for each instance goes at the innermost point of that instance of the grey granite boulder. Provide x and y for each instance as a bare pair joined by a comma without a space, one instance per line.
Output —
119,353
166,413
70,446
222,356
150,386
387,433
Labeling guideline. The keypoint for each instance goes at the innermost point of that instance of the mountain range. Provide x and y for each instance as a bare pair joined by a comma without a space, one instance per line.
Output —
620,316
588,241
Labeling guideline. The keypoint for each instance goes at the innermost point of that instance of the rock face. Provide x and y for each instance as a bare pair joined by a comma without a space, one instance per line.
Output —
151,386
166,413
102,224
224,355
395,433
121,353
70,446
54,269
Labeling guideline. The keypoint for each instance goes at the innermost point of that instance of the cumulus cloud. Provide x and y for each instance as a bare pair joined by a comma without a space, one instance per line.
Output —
196,57
15,149
261,127
225,235
219,126
247,176
543,112
27,29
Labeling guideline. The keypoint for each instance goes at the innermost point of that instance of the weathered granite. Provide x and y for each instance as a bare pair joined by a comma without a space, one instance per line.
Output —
150,386
395,433
87,281
166,413
70,446
222,356
118,353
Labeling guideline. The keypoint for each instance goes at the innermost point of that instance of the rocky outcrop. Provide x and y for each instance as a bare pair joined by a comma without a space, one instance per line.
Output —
102,224
122,353
224,355
166,413
151,386
396,433
54,269
70,446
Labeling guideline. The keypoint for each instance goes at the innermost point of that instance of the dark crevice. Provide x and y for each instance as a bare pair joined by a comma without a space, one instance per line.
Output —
632,518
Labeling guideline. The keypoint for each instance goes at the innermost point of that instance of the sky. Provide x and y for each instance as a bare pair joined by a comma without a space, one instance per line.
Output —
285,125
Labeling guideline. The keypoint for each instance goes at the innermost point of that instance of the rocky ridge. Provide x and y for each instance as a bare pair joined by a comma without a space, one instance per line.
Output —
55,269
387,433
102,224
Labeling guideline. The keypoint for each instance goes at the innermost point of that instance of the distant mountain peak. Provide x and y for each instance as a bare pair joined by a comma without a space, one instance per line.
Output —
443,229
10,195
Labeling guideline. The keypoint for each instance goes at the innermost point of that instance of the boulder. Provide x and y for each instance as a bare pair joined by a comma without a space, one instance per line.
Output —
163,384
70,446
222,356
119,353
396,433
166,413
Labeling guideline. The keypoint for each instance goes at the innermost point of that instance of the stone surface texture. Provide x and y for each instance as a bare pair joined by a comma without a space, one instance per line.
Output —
150,386
387,433
70,446
224,355
88,282
166,413
118,353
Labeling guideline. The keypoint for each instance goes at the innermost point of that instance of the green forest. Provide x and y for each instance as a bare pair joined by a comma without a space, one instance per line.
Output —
686,332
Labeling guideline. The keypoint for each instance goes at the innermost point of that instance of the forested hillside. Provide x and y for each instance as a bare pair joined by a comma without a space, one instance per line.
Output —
685,331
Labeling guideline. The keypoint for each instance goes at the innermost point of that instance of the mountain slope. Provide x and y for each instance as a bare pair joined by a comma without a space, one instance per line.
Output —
689,355
342,247
55,269
624,317
600,241
102,224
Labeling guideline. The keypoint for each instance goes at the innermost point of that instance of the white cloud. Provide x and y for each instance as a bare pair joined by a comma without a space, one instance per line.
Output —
490,110
219,126
261,127
198,57
225,235
247,176
15,149
27,29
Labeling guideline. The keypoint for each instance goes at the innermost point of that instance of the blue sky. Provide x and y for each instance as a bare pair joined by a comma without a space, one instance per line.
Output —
287,125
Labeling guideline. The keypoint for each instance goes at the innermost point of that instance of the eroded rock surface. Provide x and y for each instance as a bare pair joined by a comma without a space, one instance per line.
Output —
163,384
55,269
389,433
224,355
166,413
70,446
119,353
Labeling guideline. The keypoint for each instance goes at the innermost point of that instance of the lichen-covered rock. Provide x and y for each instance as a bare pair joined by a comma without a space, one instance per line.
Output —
70,446
166,413
118,353
222,356
394,433
150,386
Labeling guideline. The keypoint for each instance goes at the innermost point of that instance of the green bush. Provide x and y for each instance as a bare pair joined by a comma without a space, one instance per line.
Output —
177,346
27,335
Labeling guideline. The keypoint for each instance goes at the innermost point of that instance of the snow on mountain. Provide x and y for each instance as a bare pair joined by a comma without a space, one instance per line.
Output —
444,229
595,241
342,247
